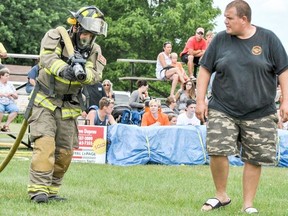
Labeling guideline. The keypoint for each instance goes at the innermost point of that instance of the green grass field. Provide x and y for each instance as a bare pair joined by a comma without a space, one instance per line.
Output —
138,190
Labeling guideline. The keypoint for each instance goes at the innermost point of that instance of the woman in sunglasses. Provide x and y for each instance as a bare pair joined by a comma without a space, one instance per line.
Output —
107,85
185,93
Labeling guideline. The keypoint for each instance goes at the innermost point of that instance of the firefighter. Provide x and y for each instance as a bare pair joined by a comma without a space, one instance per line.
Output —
58,100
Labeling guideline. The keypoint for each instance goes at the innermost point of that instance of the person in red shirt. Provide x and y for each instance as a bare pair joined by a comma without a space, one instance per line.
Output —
193,51
154,117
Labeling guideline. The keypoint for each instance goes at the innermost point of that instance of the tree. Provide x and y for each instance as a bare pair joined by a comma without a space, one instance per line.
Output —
136,28
24,23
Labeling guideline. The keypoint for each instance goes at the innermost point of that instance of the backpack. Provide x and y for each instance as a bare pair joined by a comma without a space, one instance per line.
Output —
133,117
136,117
126,117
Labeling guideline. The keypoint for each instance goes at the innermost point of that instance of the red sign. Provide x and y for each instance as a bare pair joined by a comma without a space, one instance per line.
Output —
92,144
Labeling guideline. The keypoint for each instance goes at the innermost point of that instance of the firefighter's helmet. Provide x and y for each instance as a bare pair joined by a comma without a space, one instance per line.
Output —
91,19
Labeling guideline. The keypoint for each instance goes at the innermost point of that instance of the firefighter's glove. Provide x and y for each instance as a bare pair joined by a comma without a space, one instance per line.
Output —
68,73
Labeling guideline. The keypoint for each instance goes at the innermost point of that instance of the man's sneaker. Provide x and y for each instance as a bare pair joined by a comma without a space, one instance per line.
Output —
56,198
40,198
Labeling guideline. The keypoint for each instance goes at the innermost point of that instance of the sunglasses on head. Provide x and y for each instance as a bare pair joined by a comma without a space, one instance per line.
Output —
166,43
200,33
108,101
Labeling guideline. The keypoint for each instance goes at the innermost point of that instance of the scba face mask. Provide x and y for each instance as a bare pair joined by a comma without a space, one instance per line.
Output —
84,39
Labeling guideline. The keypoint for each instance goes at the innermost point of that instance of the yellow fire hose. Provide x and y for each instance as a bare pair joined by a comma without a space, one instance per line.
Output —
70,51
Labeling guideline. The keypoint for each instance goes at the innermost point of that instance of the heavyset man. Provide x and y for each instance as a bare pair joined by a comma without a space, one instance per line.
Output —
57,101
246,59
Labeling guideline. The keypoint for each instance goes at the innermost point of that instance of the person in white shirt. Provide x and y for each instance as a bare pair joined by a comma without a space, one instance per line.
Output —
188,117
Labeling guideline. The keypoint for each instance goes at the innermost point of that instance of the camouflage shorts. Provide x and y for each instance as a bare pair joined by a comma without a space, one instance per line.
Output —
255,140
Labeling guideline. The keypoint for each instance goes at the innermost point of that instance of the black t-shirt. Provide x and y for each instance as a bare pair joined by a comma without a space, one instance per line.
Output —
245,83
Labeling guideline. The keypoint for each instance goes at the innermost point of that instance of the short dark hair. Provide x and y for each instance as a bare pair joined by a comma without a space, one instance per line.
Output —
141,83
189,102
242,8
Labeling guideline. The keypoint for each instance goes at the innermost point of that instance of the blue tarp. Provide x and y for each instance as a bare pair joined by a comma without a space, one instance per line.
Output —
282,152
170,145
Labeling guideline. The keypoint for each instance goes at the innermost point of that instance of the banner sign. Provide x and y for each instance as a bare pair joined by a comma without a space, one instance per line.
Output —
92,144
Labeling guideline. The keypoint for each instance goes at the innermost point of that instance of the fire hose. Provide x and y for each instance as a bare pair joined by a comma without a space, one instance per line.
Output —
70,51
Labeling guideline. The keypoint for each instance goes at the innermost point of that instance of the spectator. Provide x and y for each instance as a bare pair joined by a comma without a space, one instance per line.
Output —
188,117
103,115
3,52
172,118
32,75
7,96
281,125
209,36
154,117
193,51
175,63
242,103
138,97
171,103
164,70
108,88
185,93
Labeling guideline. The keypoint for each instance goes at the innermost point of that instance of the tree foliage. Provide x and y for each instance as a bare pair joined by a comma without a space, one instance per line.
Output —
136,28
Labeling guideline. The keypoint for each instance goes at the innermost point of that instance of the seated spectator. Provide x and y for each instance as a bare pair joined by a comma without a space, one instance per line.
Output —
175,63
32,75
209,36
164,69
154,117
193,51
103,115
188,117
138,97
278,99
185,93
7,96
108,88
172,118
209,89
171,103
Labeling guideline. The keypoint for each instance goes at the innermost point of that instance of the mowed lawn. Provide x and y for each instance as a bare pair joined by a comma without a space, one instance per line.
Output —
138,190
